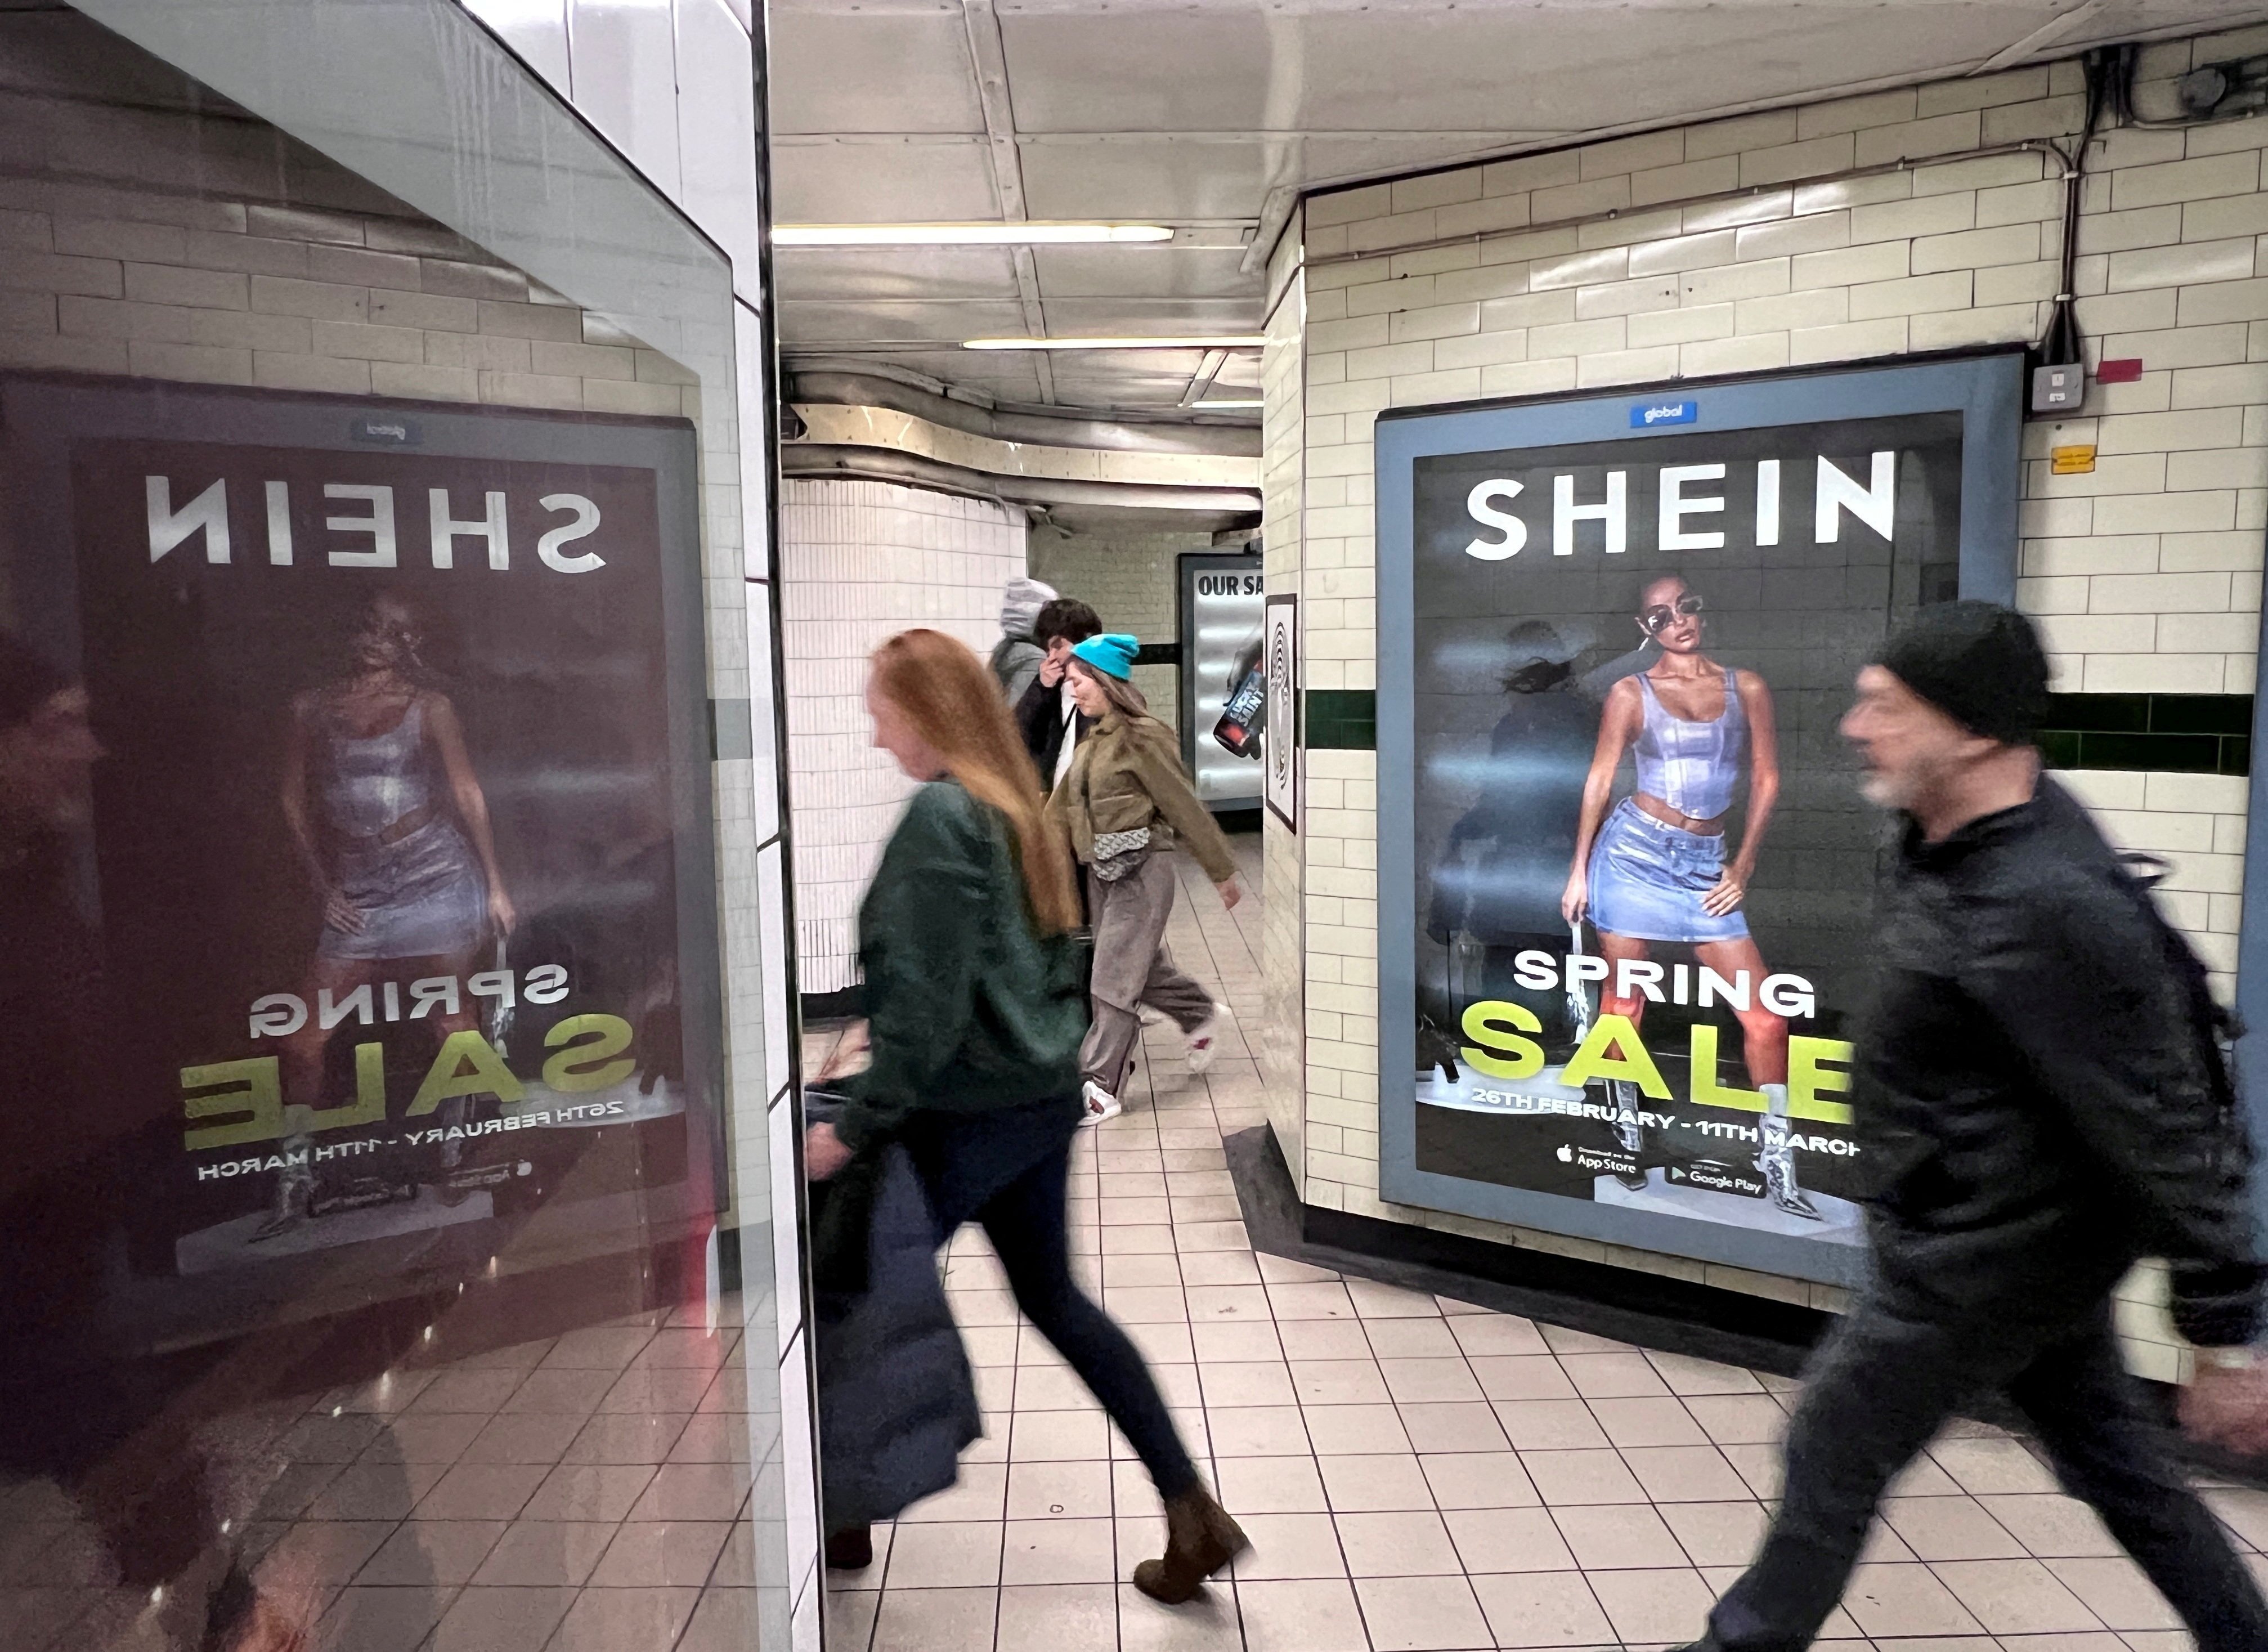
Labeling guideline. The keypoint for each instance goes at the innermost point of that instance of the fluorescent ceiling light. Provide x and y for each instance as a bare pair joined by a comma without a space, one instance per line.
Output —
963,234
1230,342
1228,402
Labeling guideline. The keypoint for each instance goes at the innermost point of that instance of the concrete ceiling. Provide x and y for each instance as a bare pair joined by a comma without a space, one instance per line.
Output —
1210,117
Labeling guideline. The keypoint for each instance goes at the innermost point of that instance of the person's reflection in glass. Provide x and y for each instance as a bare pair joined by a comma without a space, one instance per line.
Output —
390,823
110,1426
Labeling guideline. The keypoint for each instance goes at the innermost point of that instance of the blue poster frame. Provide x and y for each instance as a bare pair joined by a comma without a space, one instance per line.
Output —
1985,388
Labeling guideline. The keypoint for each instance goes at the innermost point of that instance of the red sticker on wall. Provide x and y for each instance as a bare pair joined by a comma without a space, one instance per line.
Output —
2125,370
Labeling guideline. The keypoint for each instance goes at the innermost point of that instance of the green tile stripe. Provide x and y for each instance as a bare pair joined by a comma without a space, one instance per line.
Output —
1342,720
2160,733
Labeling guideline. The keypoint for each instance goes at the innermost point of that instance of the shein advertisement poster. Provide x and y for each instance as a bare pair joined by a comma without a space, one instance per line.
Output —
1625,873
397,871
1224,678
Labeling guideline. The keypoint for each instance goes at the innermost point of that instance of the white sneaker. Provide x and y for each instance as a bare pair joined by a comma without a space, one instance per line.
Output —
1102,1105
1204,1043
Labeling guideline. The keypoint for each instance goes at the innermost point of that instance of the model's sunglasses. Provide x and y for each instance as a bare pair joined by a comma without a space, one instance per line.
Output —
1657,618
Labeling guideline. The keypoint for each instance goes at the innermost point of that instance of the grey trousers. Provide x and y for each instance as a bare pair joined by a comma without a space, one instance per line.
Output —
1133,968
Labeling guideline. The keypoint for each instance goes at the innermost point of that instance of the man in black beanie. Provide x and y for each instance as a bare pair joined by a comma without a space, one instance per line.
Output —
2041,1101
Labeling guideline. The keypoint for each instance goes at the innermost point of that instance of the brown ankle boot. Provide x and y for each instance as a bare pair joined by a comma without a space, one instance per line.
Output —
1200,1539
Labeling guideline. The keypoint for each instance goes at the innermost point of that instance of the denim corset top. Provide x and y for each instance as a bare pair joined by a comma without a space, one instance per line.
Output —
1693,767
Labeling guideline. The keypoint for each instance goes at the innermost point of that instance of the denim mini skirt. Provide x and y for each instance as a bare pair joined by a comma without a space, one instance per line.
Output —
1647,879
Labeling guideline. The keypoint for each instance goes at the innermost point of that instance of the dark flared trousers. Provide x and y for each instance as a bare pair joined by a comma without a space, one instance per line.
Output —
1880,1389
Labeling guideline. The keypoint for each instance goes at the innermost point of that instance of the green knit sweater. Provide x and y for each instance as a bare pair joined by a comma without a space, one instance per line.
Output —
968,1008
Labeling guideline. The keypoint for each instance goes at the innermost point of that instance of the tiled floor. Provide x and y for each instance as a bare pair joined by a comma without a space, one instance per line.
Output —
1415,1473
586,1493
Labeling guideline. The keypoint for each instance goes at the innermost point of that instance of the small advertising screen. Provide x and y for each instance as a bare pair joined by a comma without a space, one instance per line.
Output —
395,871
1224,678
1634,867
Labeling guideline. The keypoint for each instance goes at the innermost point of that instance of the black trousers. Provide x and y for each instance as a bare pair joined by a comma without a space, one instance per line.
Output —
1878,1392
1008,1170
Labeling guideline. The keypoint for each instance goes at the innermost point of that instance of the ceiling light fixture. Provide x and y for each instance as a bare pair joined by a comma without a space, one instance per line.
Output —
1227,402
963,234
1237,341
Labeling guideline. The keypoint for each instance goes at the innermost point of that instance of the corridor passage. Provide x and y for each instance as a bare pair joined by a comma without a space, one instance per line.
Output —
1415,1474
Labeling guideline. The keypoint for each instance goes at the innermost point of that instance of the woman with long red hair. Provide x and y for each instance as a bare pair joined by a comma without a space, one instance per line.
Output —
975,1005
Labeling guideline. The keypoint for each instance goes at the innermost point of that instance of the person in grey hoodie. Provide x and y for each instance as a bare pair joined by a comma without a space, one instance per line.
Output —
1016,657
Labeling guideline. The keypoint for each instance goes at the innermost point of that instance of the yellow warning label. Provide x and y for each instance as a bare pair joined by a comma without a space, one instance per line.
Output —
2071,461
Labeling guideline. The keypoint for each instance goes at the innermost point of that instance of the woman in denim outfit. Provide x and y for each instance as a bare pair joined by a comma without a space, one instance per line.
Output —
1655,868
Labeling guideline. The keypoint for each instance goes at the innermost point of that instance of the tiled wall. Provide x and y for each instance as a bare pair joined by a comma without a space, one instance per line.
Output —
860,561
1284,966
1565,270
1127,578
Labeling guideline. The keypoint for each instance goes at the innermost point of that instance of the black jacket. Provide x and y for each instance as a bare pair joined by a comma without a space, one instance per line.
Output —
2034,1098
1039,715
897,1402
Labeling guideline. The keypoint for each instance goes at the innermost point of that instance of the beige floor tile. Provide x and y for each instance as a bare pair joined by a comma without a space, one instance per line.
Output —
1688,1376
1310,1301
1481,1332
1428,1381
1058,1615
1040,1436
1949,1528
1056,1491
945,1554
2114,1590
936,1621
1270,1485
1613,1376
1043,1388
1408,1545
1669,1605
693,1490
1717,1534
2244,1512
1478,1479
1151,1304
374,1491
990,1345
1289,1546
660,1554
2050,1525
612,1619
1614,1536
615,1437
1453,1424
1327,1340
1162,1342
1374,1482
1301,1615
1058,1552
1685,1474
850,1622
1542,1609
363,1619
1566,1340
1508,1540
1207,1624
2015,1596
536,1553
563,1390
1234,1343
1979,1466
1338,1382
486,1491
1376,1301
423,1552
1661,1421
1410,1614
1893,1600
483,1619
1258,1431
1521,1376
1355,1430
1412,1338
1549,1425
1242,1382
1220,1268
1581,1477
1739,1418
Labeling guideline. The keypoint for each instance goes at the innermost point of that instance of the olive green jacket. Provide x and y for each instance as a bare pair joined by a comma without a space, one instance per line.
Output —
1127,774
968,1007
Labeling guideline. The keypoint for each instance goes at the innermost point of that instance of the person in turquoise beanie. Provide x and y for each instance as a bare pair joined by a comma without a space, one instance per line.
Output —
1125,801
